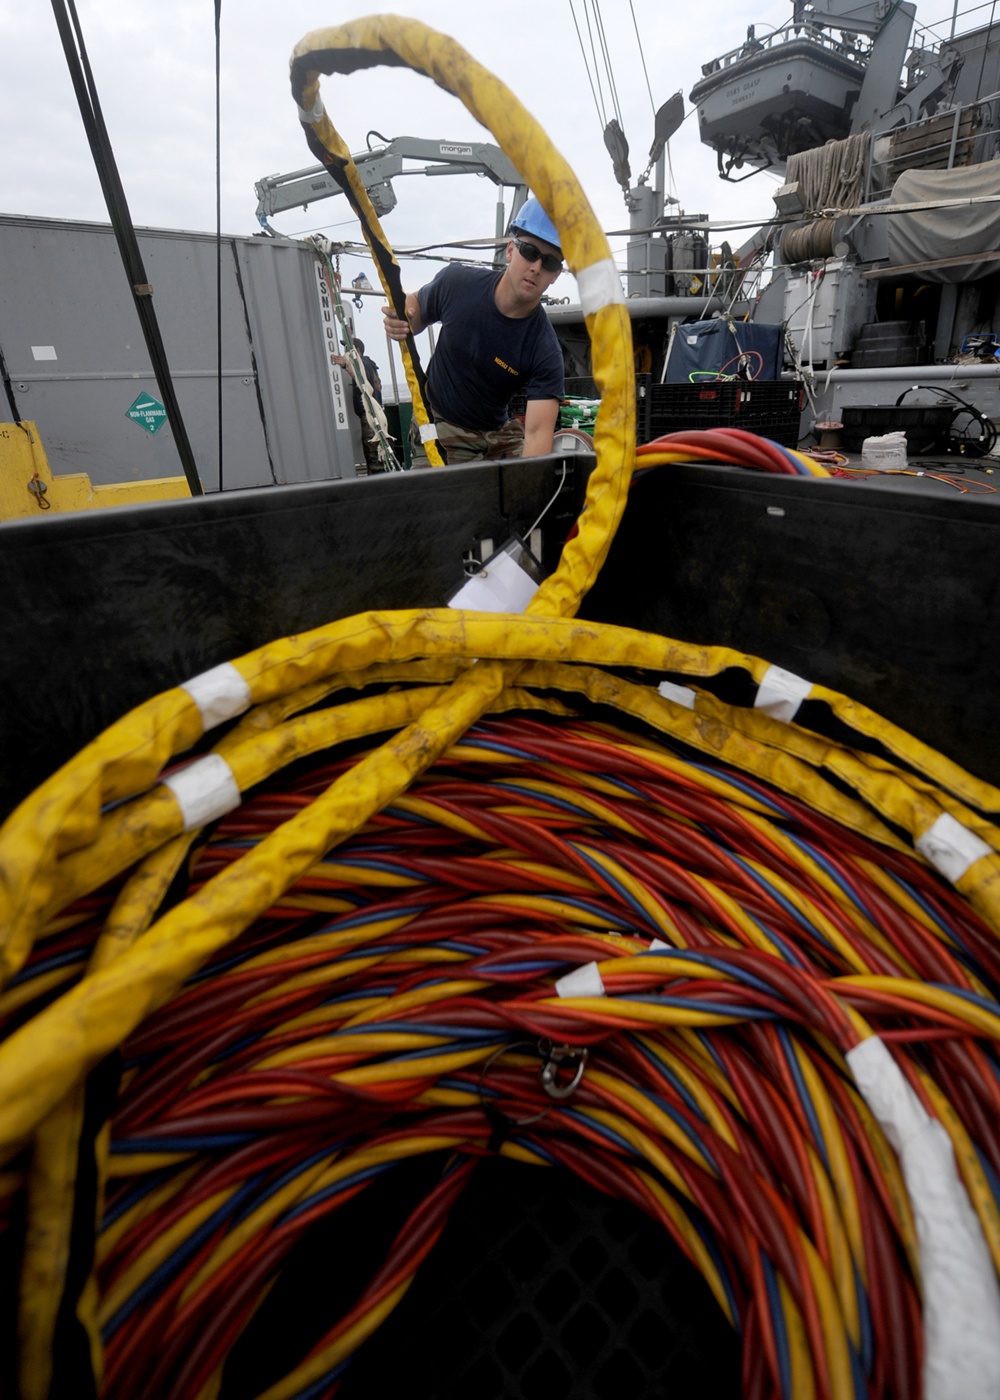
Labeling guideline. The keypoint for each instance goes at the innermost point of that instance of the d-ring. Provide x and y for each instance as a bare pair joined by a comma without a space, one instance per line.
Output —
492,1112
550,1070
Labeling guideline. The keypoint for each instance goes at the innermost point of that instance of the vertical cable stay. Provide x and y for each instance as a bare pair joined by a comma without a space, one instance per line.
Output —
642,56
586,65
593,77
606,55
71,36
612,130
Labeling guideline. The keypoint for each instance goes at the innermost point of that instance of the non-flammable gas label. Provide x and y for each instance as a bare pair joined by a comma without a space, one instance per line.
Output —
148,413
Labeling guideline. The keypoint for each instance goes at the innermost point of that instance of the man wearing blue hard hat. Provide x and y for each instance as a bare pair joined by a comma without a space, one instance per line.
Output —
495,341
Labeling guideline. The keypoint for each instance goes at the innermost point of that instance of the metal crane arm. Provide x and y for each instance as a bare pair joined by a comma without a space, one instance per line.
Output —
377,167
846,15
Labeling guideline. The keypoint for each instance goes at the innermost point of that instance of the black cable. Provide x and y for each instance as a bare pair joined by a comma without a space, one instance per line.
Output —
8,389
961,443
968,446
218,219
329,62
75,50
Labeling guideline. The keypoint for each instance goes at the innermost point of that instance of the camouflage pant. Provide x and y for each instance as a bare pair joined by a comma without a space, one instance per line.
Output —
369,443
468,445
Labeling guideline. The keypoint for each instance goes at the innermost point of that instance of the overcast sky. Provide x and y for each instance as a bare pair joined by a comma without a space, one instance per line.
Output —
154,66
153,62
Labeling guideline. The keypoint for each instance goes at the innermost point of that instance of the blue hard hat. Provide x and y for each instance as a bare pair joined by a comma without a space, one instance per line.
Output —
532,218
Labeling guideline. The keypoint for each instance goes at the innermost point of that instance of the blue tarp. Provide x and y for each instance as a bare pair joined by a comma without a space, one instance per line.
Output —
706,347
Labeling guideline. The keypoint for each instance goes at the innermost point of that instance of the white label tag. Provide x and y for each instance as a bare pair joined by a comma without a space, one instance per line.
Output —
781,693
581,982
599,285
951,847
679,694
500,586
205,791
219,694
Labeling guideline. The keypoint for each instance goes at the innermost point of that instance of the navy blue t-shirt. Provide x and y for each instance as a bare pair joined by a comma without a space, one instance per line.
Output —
482,357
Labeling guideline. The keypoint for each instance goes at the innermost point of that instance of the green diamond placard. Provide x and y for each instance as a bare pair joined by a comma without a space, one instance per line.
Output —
148,412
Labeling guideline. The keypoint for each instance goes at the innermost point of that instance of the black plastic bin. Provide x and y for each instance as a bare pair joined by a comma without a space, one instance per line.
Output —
771,408
926,425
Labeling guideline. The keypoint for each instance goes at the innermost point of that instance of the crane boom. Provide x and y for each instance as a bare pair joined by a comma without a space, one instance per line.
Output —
377,168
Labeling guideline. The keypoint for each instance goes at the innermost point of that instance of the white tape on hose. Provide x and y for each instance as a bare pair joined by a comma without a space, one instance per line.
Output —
220,694
599,285
961,1297
679,694
781,693
307,118
581,982
205,790
428,432
951,847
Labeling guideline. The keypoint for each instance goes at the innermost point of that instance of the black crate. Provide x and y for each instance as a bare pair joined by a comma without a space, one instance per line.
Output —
771,408
926,425
538,1288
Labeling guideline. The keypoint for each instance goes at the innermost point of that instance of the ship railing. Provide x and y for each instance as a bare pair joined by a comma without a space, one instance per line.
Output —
725,282
855,50
951,137
942,31
931,41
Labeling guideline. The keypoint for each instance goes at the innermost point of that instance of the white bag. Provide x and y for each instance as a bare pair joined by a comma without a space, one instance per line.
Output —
886,453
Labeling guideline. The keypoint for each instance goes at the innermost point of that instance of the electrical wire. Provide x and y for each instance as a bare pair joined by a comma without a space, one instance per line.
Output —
348,1032
740,359
730,445
550,503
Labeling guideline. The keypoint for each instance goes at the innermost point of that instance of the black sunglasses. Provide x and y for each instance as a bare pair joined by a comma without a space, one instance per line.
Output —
530,253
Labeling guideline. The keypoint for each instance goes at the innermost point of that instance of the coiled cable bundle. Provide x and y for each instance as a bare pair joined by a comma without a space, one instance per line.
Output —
699,947
581,948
